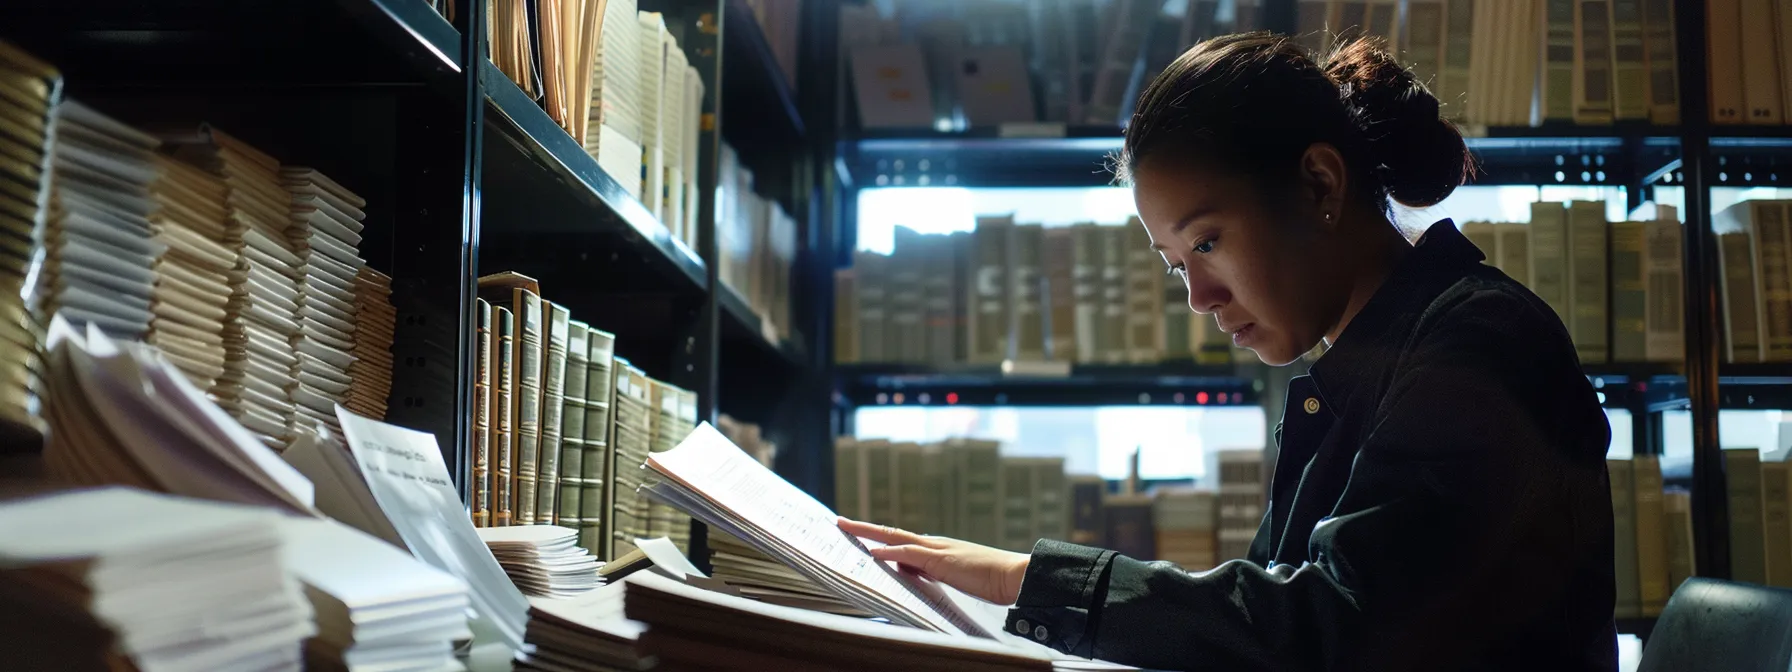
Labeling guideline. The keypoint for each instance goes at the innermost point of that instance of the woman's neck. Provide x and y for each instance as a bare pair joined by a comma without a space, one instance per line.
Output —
1380,253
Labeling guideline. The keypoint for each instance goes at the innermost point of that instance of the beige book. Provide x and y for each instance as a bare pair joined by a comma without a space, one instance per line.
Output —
1630,63
594,475
1743,340
1659,34
1515,251
1748,544
1144,296
1665,317
1776,521
481,435
503,414
1723,27
1629,296
1593,90
1651,535
569,478
1624,540
552,413
1761,77
1677,508
1549,256
1588,285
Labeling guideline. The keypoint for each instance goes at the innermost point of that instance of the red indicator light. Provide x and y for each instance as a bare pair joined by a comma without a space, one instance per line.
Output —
1201,397
951,397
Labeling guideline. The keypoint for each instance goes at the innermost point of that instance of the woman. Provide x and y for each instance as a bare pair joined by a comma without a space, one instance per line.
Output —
1440,498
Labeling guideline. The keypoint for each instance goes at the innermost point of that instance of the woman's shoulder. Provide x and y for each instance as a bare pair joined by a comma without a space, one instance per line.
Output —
1486,312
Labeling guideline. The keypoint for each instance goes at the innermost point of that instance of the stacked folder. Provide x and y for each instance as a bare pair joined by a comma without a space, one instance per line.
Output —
377,607
31,90
325,230
587,632
764,578
196,272
370,374
260,365
151,582
542,559
692,628
100,252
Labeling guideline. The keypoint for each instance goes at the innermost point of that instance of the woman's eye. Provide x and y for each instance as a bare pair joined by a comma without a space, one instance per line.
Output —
1204,246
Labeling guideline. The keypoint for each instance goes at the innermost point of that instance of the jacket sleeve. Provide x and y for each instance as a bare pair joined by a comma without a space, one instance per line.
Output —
1453,499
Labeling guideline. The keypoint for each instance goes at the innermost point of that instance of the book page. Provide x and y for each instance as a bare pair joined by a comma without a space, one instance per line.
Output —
711,466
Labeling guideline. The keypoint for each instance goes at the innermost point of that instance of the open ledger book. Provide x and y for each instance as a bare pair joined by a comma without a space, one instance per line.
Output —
721,485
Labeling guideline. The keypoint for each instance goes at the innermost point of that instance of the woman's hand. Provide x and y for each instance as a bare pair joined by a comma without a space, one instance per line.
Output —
992,575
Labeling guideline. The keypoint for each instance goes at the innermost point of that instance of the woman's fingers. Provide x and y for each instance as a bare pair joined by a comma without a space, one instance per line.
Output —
924,560
882,533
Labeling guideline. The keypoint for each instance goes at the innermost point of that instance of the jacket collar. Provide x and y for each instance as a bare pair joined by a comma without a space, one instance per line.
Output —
1373,341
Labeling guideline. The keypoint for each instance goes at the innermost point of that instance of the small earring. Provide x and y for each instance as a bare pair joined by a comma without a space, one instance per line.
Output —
1328,217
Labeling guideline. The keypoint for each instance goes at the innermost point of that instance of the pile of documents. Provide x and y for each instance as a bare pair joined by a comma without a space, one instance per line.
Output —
762,577
587,632
31,105
122,415
542,559
100,252
262,317
150,582
376,606
692,628
196,272
391,483
370,374
325,228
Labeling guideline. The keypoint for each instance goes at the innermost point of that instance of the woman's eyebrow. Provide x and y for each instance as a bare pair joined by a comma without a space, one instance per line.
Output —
1184,223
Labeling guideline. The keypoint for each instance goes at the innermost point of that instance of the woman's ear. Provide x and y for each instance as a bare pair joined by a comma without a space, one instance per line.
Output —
1322,169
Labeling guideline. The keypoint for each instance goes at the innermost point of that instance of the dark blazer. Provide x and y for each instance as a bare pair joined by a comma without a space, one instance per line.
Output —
1440,503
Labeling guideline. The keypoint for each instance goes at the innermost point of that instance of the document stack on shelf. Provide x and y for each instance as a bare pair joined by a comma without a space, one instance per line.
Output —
122,415
33,98
614,126
195,273
259,378
764,578
583,632
692,628
376,320
325,230
151,582
100,251
542,559
376,606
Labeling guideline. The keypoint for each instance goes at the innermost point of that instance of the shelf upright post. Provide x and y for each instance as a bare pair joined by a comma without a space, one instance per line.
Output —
434,251
809,461
1703,335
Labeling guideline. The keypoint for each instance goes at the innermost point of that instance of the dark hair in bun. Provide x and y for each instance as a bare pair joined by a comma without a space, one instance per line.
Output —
1253,103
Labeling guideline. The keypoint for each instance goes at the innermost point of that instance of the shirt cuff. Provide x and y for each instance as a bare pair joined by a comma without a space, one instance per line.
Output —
1061,595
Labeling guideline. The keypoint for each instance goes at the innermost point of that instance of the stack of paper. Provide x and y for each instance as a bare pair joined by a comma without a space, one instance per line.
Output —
763,578
542,559
35,90
261,369
195,273
325,230
392,483
370,374
587,632
633,423
692,628
100,253
613,119
116,578
377,607
120,414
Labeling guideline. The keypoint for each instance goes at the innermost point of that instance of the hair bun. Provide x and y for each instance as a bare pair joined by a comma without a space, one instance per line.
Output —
1420,154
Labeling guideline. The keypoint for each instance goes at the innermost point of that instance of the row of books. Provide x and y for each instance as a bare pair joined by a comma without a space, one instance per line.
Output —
561,424
1617,286
1760,508
246,273
959,488
1754,246
1087,293
980,62
1523,62
750,438
618,82
756,245
1197,528
1652,542
1750,45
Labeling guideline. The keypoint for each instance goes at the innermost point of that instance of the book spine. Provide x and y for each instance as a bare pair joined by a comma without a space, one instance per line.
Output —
1549,259
1178,320
527,416
1515,251
482,431
1773,279
1677,508
504,443
1087,281
1651,535
1666,317
1593,62
1629,293
600,399
1741,314
1663,59
937,301
1051,497
1588,282
1112,346
1060,282
990,309
1018,525
572,426
846,316
873,308
1624,541
848,497
1748,545
1144,297
1776,522
1630,73
553,406
1029,311
1760,64
1723,40
879,476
